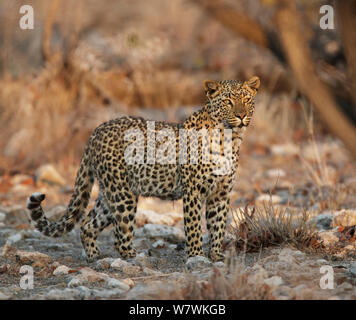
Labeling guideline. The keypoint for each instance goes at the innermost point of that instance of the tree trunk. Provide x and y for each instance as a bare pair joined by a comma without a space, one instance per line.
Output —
299,57
238,23
346,14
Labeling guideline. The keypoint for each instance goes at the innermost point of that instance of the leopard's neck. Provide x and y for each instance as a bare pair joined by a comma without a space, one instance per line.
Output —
201,119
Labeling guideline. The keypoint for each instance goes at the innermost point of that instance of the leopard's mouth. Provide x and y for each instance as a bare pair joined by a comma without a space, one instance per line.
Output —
237,122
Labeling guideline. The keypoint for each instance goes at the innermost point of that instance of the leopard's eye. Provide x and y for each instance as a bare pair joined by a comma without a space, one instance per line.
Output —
228,102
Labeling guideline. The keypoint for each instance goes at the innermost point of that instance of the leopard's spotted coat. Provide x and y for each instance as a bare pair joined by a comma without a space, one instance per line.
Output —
229,105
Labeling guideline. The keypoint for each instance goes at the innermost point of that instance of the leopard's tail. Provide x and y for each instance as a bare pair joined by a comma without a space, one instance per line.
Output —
75,210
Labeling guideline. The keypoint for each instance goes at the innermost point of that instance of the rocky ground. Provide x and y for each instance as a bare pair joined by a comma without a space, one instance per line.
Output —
287,176
160,270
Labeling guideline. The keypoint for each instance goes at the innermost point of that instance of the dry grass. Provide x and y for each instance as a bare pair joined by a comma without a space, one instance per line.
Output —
331,193
268,226
320,172
275,114
233,285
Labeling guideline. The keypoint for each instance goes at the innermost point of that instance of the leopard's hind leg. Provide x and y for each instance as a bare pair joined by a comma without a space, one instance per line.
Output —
123,205
124,223
97,220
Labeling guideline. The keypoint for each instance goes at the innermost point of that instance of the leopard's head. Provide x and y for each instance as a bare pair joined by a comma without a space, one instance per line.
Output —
231,101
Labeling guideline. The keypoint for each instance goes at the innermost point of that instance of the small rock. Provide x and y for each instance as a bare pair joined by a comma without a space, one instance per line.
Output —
107,293
282,292
119,264
84,292
353,269
115,283
267,198
323,221
35,258
8,251
274,281
125,267
350,247
58,246
319,150
14,238
83,255
47,173
321,261
345,286
287,149
2,217
159,244
299,290
61,270
257,275
4,268
151,272
198,262
147,216
74,282
160,231
129,282
29,234
90,275
66,294
328,237
344,218
142,260
142,291
290,256
104,263
3,296
275,173
175,216
219,264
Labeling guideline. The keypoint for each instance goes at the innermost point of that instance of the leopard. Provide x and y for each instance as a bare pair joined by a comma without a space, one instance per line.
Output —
125,156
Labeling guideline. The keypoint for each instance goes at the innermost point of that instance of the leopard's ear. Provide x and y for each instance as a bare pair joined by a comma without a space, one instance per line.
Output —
253,83
211,87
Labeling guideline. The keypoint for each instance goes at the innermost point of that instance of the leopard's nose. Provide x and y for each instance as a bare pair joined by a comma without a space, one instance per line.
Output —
244,119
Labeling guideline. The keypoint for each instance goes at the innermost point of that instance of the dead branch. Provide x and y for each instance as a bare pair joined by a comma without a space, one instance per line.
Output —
346,14
245,27
47,30
299,57
235,21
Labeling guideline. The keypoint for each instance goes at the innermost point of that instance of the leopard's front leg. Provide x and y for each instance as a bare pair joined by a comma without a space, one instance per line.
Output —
192,224
216,215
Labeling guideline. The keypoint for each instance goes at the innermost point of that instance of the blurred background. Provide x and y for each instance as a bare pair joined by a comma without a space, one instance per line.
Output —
86,62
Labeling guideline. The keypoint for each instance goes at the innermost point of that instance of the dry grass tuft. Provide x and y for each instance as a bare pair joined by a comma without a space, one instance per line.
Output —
268,226
233,285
